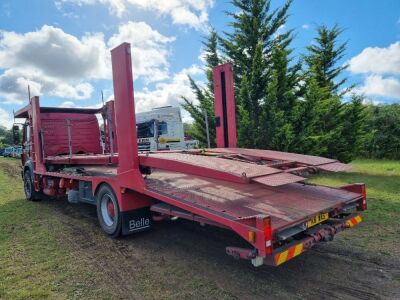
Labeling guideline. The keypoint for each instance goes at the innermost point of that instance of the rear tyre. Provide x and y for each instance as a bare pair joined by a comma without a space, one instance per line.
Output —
108,211
29,188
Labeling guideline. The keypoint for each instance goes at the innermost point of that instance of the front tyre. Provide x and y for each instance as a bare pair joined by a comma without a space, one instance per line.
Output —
29,188
108,211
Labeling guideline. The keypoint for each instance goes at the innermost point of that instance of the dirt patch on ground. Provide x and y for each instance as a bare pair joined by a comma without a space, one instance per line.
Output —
184,260
11,168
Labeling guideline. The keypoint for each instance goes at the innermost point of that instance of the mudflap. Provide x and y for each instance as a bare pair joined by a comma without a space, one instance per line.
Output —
136,220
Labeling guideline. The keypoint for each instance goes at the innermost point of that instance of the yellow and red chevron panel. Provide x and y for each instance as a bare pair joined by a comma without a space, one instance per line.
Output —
354,221
288,254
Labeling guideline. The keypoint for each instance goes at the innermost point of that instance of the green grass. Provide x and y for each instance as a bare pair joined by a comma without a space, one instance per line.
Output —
381,228
33,264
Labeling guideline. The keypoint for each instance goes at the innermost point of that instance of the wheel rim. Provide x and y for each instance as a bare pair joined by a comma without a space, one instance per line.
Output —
108,208
28,186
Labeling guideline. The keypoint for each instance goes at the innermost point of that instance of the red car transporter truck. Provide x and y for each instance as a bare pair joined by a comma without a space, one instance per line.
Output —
258,194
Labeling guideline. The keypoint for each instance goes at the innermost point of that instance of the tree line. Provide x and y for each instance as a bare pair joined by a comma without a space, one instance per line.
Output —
292,103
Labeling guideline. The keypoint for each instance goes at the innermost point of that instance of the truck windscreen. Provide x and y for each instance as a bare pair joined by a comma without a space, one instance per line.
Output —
145,130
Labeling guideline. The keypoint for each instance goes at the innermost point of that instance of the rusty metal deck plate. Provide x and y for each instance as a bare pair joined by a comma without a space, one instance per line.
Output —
219,168
215,163
322,163
286,204
278,179
276,155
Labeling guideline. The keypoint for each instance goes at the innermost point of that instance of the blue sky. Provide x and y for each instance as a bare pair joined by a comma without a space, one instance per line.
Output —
61,47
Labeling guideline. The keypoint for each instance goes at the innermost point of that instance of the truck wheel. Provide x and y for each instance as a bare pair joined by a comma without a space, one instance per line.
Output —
29,188
108,211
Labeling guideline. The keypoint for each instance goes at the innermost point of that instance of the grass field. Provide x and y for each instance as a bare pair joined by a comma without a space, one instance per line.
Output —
34,264
382,178
37,262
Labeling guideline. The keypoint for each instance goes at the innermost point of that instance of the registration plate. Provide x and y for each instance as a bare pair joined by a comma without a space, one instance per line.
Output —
317,219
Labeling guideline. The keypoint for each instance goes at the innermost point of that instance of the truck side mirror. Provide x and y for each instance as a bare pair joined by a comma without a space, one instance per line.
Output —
15,133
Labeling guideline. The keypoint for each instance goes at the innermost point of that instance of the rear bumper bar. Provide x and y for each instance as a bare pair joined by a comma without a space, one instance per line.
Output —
322,233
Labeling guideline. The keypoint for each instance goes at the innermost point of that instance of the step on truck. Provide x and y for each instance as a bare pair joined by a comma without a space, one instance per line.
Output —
260,195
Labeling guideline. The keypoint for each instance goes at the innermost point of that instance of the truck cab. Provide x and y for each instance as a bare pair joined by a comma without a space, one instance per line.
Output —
162,129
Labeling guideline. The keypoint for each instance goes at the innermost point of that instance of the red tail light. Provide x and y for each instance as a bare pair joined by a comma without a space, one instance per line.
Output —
363,205
268,235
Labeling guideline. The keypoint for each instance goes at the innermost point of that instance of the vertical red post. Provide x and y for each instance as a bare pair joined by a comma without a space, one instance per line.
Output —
225,106
36,127
128,167
124,108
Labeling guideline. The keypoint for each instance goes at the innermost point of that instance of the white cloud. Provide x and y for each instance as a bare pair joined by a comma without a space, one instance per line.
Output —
5,119
149,49
55,63
68,104
51,62
193,13
305,26
14,87
375,60
169,93
380,68
376,85
54,53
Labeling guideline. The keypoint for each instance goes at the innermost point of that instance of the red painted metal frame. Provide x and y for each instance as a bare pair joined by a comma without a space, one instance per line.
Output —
129,174
99,159
36,126
177,166
241,227
220,72
358,188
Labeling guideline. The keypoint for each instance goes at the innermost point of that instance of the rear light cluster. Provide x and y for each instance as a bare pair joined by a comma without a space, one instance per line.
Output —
363,205
268,235
263,224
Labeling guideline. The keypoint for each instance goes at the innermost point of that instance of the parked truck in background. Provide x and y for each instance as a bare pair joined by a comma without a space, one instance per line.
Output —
162,129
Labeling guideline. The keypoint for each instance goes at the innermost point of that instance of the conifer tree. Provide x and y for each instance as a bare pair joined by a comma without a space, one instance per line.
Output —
204,96
250,44
326,125
355,127
324,58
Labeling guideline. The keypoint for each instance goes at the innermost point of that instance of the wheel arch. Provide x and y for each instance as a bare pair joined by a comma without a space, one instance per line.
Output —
96,185
28,167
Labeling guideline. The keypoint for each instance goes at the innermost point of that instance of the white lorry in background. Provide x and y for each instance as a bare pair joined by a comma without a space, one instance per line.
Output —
162,129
